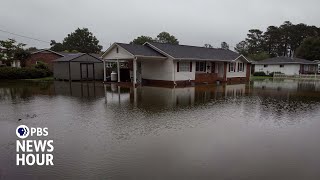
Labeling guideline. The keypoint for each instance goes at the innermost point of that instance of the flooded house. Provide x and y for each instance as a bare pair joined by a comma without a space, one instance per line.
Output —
168,64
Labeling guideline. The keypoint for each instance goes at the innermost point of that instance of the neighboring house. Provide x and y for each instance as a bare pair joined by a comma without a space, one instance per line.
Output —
45,55
78,66
286,65
167,64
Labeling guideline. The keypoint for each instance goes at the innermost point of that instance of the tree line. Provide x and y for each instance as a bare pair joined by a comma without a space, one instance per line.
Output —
299,40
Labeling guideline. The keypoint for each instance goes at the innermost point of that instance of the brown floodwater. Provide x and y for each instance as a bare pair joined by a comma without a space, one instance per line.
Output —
260,130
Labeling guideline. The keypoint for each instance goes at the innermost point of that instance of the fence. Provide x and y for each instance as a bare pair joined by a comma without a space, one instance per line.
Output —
298,76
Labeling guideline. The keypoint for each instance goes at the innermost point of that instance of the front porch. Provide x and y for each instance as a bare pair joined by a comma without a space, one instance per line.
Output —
210,72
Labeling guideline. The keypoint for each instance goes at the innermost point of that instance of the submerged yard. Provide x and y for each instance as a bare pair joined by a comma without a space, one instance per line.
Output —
265,129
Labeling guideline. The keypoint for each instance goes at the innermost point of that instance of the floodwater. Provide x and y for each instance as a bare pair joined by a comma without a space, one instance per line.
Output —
260,130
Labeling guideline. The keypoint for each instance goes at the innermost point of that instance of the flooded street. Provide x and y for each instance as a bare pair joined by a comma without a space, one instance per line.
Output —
261,130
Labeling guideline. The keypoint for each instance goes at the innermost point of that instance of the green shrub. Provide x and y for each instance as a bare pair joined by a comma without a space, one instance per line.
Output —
41,65
23,73
259,73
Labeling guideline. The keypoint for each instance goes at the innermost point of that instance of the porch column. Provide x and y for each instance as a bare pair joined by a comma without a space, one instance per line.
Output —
118,68
134,71
104,71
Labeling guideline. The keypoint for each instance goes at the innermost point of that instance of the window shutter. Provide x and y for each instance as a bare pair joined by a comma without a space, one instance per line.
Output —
177,66
190,66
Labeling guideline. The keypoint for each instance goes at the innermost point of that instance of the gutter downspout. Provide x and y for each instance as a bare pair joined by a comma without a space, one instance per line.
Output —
174,73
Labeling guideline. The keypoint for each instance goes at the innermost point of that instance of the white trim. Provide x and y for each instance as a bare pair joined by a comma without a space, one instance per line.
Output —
47,50
112,46
243,57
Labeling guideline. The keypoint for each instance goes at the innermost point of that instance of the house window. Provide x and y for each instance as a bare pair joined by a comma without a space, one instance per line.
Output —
232,67
265,65
184,66
281,66
200,66
117,50
240,67
110,64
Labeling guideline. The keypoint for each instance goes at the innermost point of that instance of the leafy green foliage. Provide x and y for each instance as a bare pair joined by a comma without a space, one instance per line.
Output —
208,46
23,73
259,73
260,56
41,65
309,49
277,41
165,37
225,46
82,40
141,40
9,49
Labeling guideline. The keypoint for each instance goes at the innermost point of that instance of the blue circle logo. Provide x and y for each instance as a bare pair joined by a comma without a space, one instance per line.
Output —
22,131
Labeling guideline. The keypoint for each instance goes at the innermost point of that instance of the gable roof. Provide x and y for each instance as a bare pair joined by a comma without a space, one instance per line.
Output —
285,60
194,52
140,50
71,56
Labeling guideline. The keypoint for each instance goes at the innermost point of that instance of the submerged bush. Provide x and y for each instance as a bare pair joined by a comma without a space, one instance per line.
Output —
259,73
23,73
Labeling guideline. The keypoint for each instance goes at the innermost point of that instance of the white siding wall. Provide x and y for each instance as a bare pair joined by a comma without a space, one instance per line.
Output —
288,69
157,69
237,74
185,76
122,54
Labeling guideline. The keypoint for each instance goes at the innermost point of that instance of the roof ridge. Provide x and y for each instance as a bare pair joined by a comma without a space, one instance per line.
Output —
190,46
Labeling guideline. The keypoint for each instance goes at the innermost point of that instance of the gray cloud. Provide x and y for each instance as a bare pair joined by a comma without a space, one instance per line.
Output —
193,22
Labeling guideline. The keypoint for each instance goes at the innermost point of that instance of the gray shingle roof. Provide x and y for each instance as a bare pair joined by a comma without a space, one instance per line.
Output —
69,57
194,52
284,60
140,50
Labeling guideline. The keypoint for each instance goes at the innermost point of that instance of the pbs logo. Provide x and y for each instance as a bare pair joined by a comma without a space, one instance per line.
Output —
22,131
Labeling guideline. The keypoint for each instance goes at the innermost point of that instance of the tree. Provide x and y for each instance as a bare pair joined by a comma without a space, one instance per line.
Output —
255,41
242,48
81,40
225,46
208,46
309,49
277,41
56,46
165,37
9,48
272,40
260,56
31,49
22,55
141,40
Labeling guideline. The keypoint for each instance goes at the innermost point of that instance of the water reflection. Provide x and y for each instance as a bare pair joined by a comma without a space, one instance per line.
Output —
260,130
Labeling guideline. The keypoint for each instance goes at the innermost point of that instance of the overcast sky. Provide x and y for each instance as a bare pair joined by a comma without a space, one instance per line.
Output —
193,22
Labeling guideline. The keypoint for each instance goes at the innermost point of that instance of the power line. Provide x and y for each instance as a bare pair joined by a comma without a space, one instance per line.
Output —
24,36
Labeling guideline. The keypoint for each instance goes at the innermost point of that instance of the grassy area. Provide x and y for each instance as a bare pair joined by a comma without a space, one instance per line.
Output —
260,77
40,79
